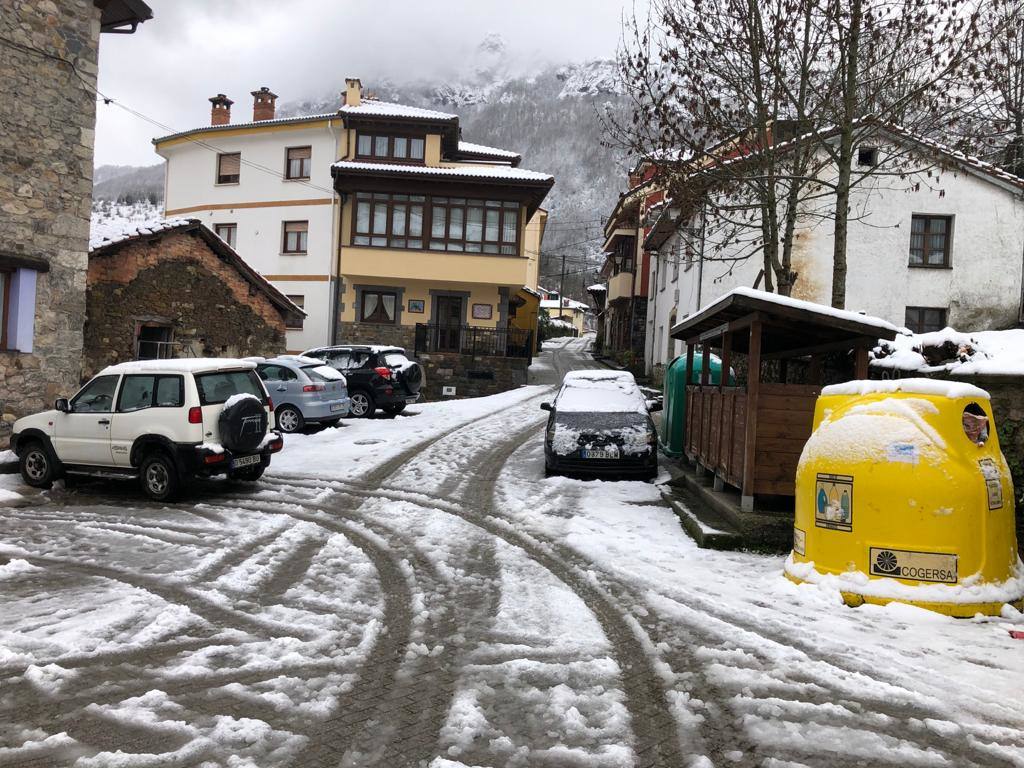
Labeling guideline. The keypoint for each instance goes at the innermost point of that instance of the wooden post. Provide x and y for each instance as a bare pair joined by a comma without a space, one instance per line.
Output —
724,419
689,363
783,370
705,364
750,439
860,361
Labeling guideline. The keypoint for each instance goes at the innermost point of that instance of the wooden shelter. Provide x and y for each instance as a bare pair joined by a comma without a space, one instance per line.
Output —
751,436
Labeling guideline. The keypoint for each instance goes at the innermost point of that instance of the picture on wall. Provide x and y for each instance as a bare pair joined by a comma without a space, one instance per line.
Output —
482,311
416,306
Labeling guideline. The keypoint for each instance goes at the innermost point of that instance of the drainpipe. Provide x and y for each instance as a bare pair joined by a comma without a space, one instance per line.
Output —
637,257
336,243
654,288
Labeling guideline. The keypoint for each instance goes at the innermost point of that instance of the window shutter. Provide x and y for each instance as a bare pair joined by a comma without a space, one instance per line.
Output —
230,165
297,226
300,153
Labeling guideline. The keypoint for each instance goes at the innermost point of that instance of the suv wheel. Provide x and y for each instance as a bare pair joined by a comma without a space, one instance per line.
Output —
361,404
289,419
36,466
159,477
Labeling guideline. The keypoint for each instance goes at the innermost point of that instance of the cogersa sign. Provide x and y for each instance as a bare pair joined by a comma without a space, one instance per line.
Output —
920,566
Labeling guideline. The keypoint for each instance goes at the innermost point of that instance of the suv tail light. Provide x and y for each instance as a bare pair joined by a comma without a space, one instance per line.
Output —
383,371
314,388
195,415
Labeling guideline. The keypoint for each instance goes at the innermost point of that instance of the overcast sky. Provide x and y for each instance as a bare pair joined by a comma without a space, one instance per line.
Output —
193,49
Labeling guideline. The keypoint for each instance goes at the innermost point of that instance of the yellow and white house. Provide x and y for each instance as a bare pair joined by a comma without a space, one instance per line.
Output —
377,219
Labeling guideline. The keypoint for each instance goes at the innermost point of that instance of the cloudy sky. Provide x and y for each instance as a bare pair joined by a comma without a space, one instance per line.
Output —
193,49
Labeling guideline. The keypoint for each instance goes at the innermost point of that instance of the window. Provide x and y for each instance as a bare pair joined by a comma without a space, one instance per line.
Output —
378,307
298,162
295,323
453,223
96,397
663,269
348,360
295,236
216,388
623,252
926,319
228,167
140,392
226,232
5,303
276,373
406,148
867,156
929,241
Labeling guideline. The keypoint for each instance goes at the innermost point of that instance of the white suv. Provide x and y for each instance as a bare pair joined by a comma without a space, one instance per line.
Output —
161,421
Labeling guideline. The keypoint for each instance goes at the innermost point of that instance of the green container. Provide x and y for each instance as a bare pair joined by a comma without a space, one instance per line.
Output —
673,424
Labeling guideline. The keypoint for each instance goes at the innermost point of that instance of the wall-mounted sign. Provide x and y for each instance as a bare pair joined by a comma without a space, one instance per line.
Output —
482,311
906,564
416,306
993,485
799,542
448,391
833,502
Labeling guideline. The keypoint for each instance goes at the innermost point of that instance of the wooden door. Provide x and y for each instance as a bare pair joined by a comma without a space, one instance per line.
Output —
449,323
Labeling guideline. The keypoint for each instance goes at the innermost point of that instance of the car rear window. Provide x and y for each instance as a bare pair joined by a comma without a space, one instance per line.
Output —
216,388
322,373
395,359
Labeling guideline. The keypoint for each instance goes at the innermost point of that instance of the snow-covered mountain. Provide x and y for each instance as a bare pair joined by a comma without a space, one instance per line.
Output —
551,114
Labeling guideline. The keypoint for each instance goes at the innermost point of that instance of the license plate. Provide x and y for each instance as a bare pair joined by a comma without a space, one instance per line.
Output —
589,454
245,461
337,407
411,400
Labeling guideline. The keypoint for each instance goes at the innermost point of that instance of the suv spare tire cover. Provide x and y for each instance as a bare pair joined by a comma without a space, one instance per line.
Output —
243,424
412,377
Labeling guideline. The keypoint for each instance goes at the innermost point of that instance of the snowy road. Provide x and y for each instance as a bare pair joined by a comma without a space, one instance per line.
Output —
414,592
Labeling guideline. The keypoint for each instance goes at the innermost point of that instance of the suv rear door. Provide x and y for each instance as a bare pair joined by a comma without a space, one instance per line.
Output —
216,387
147,404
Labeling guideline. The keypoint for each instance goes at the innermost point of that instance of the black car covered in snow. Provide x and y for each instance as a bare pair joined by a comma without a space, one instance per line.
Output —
600,424
378,376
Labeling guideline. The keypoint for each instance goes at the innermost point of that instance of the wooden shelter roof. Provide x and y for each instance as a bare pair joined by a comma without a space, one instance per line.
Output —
791,327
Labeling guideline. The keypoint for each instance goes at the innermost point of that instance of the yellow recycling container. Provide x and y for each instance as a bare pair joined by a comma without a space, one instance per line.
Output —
902,494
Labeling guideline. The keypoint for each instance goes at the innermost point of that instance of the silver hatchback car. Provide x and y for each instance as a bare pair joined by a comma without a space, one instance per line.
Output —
305,391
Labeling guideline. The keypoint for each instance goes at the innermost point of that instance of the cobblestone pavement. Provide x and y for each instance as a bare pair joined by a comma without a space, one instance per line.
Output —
403,618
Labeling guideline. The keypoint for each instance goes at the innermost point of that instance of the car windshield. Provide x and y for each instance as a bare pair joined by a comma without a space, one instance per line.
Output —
216,388
600,392
322,373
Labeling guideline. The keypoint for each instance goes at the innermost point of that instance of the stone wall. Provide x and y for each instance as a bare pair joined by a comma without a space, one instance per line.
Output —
46,158
378,333
471,376
212,309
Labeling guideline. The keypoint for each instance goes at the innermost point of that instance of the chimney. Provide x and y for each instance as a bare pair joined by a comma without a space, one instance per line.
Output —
353,92
220,114
263,104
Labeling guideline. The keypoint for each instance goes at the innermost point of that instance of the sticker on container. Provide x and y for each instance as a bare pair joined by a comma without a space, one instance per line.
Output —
833,502
993,483
919,566
903,452
799,541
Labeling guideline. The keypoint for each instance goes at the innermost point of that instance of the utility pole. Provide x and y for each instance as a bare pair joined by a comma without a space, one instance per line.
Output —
561,285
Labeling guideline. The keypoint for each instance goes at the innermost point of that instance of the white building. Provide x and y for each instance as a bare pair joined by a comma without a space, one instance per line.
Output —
944,246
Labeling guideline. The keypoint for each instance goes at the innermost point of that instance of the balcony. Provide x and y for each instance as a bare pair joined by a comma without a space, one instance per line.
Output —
620,286
471,340
388,265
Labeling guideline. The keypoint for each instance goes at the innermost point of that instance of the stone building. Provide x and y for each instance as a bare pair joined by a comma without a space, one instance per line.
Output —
48,65
175,289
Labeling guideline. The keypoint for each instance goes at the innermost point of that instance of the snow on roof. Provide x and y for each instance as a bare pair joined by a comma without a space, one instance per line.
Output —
183,365
480,149
249,124
116,230
810,306
993,353
482,171
598,288
600,391
372,107
564,304
938,387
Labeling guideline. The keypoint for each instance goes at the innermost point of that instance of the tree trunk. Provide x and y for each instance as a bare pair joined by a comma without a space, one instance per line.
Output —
845,161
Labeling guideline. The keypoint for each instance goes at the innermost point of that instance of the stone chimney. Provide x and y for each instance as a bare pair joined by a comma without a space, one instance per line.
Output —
263,103
353,92
220,114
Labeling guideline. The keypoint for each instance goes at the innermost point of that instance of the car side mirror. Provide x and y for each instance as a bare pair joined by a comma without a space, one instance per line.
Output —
545,406
62,405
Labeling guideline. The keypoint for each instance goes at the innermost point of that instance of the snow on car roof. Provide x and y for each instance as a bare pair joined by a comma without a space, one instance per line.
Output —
295,360
938,387
600,391
184,365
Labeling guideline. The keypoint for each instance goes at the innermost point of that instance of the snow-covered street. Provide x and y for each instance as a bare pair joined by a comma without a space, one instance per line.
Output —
414,592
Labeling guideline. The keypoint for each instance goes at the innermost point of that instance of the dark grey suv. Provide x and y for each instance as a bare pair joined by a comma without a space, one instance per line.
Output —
378,376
